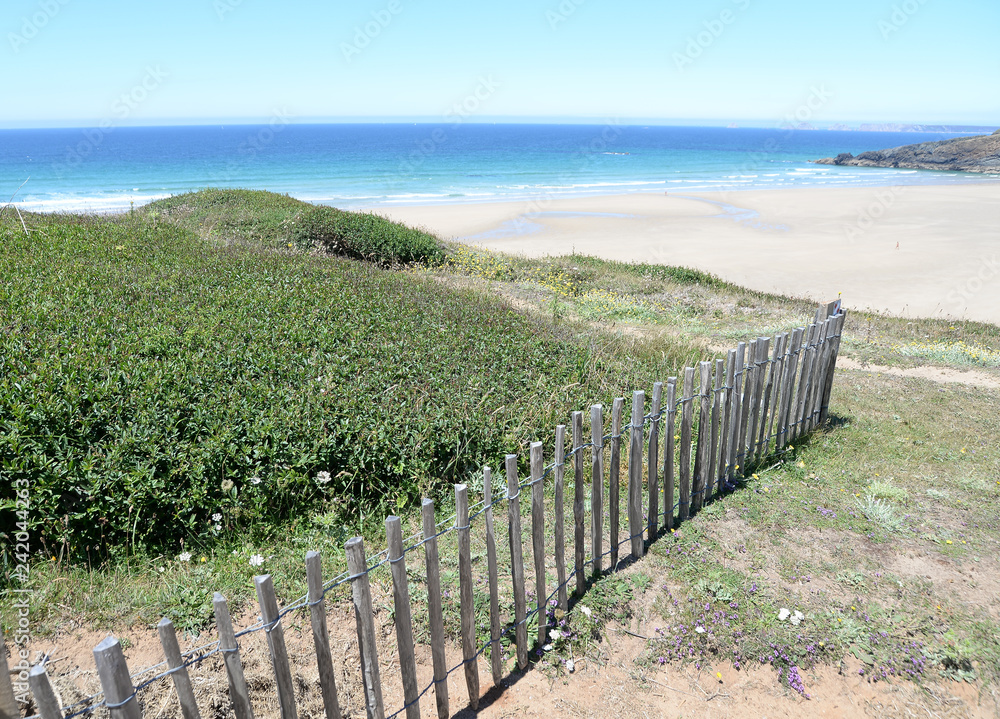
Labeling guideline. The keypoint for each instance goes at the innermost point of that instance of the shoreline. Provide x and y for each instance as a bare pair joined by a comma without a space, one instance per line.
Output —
910,250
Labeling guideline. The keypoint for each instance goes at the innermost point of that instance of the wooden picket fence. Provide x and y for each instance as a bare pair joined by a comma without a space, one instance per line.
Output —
746,408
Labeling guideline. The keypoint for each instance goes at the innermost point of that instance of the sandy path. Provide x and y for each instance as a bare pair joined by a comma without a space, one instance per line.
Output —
811,242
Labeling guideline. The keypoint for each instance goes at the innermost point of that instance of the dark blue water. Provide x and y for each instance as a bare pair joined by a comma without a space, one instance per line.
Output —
385,164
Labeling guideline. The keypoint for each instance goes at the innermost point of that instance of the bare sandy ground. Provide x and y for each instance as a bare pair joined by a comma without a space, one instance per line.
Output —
928,251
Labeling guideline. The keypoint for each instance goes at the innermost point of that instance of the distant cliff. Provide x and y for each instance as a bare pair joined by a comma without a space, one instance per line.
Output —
963,154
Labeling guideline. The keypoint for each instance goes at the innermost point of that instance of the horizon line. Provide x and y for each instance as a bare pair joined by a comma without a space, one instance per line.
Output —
739,123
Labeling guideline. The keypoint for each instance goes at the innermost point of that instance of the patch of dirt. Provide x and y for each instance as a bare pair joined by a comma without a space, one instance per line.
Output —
967,582
942,375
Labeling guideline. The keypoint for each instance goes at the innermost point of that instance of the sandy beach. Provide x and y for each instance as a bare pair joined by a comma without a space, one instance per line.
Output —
917,251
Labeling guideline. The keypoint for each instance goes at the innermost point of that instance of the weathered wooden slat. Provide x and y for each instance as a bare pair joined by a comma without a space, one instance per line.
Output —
820,375
831,369
597,486
736,412
615,478
538,538
684,458
403,618
779,370
724,421
41,689
668,452
361,594
746,406
704,437
467,602
491,561
560,516
818,370
579,518
238,693
713,465
788,391
765,411
517,561
275,633
635,474
321,636
808,352
8,702
435,611
760,375
653,465
119,694
182,682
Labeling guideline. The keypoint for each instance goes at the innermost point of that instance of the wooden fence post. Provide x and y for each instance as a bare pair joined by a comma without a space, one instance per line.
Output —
824,412
538,537
361,594
403,618
668,452
759,371
805,381
238,694
579,536
42,691
704,437
767,391
434,610
687,419
597,486
635,474
467,606
717,383
9,708
724,421
517,560
276,644
788,391
182,682
780,346
491,560
119,694
560,516
736,411
615,479
653,465
321,636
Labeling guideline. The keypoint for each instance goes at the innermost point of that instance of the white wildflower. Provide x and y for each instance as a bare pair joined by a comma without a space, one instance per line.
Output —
797,617
216,517
547,648
184,556
218,527
161,569
555,635
783,614
256,560
323,478
585,610
700,630
255,480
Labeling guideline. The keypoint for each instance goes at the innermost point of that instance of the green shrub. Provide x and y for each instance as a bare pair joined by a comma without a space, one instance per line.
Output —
150,379
366,236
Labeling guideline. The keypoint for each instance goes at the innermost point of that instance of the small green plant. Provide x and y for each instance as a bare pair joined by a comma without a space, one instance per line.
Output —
884,489
879,512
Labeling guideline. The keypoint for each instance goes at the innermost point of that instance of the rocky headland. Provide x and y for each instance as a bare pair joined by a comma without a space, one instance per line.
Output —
962,154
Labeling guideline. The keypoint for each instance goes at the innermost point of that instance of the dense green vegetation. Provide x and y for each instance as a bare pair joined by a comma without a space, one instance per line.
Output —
159,385
365,236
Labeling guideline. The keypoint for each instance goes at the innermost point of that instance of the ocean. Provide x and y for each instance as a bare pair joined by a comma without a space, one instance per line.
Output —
372,165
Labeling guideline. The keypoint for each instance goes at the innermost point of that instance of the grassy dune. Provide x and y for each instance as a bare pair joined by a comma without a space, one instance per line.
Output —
183,361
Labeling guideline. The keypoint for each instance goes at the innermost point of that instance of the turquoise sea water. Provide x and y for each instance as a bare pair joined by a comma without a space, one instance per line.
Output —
105,169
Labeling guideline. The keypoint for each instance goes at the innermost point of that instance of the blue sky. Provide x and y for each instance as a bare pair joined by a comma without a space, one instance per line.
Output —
83,62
